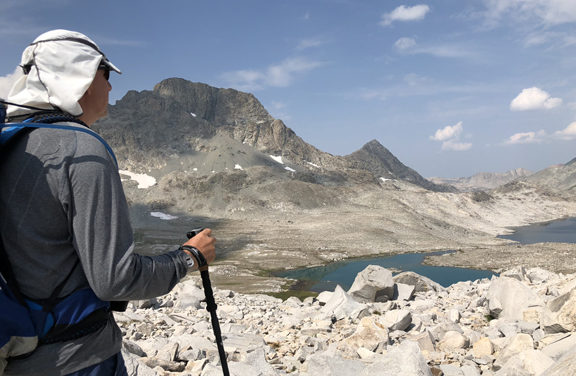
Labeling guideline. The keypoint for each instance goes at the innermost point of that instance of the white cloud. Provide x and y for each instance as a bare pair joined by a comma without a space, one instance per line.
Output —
534,99
408,45
526,138
568,133
280,75
244,79
456,146
416,80
548,12
553,38
7,81
448,132
449,51
278,110
405,43
278,105
450,137
310,43
404,14
416,85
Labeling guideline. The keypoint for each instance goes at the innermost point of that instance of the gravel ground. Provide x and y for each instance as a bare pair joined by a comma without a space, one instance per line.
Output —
556,257
267,227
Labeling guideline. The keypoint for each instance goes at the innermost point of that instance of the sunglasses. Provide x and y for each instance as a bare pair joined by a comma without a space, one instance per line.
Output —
106,70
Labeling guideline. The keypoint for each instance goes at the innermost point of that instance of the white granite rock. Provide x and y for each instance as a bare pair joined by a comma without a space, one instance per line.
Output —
369,334
454,315
373,284
330,363
341,305
420,283
468,370
324,297
425,340
403,291
482,348
397,319
559,348
334,334
519,343
453,341
405,359
508,298
134,366
560,314
565,366
189,295
451,370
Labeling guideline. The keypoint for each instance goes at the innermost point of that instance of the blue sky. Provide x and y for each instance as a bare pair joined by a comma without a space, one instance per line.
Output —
451,87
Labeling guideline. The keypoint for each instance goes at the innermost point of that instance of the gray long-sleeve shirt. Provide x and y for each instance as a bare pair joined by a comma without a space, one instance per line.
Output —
61,200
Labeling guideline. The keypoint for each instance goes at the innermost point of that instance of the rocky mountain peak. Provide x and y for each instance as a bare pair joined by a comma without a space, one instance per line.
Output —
222,107
189,125
374,157
376,150
374,145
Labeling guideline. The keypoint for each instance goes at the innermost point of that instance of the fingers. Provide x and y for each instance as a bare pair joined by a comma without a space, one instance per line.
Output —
205,243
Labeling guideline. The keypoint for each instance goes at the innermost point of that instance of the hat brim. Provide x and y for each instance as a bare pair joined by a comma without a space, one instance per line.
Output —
113,67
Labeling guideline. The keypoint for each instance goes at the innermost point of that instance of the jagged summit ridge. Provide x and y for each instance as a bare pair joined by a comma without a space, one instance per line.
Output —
179,117
239,115
222,107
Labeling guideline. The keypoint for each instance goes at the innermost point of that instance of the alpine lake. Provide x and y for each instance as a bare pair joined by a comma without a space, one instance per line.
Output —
325,278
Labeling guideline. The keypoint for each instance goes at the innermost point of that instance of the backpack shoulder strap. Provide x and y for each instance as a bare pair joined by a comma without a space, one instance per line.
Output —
9,130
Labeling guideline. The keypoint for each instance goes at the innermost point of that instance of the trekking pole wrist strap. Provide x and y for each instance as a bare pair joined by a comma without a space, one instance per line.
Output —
200,259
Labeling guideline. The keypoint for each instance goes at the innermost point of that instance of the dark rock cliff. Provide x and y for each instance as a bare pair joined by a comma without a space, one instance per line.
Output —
180,118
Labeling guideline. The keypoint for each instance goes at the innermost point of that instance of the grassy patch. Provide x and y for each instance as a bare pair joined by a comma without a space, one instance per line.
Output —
489,317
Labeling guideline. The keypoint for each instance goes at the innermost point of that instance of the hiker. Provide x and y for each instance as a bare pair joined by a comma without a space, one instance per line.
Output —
64,220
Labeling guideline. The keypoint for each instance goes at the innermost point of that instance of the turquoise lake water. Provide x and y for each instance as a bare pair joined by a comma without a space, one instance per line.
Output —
563,231
324,278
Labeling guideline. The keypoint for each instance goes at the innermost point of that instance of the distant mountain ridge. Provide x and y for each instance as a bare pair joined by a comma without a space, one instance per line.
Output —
160,129
557,178
483,180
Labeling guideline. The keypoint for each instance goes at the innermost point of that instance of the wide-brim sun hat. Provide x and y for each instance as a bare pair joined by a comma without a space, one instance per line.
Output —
58,67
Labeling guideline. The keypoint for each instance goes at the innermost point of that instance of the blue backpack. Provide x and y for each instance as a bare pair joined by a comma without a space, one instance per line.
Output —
25,323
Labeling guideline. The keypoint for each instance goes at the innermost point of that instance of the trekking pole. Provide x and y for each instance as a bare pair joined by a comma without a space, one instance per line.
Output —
211,307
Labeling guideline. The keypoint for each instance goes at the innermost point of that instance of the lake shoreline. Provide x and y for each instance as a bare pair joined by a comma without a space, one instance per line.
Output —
555,257
325,278
251,250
